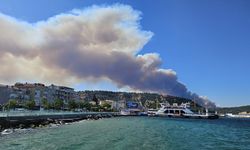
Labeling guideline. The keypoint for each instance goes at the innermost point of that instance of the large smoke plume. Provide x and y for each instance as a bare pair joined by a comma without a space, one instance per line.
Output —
97,43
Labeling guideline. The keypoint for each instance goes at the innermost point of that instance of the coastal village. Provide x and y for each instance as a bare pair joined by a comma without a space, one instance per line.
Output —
37,95
35,104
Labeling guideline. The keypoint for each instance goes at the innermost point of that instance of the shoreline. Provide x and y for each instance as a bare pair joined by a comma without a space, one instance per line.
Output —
32,121
20,131
54,123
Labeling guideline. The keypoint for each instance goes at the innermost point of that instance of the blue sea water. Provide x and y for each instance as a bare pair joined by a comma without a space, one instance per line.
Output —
136,133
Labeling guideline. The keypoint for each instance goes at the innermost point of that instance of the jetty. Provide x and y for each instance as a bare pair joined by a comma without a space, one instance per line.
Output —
38,118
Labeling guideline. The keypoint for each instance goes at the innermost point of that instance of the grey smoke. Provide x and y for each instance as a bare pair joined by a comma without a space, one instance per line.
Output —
97,43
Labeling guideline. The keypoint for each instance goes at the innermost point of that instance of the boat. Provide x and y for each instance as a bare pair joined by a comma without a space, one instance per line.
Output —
125,112
230,115
182,111
152,112
143,113
133,112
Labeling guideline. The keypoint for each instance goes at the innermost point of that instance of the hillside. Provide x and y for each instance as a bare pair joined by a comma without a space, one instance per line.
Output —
146,99
234,110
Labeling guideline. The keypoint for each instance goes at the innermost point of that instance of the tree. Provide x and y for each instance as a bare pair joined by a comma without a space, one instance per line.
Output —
12,104
85,105
46,104
30,104
95,100
81,105
72,105
106,106
58,104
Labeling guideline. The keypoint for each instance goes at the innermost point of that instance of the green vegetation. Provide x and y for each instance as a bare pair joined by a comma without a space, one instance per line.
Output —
152,104
95,100
72,105
12,104
46,104
147,100
106,106
131,96
58,104
234,110
85,105
30,104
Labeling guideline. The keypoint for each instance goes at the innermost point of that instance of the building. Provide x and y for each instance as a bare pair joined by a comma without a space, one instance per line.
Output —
23,92
132,108
5,92
61,92
28,91
102,102
118,105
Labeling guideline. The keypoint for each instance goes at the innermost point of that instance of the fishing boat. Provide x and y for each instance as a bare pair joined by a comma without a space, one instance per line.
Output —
182,111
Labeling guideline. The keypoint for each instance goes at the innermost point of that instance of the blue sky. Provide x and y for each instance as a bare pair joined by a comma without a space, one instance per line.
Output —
206,42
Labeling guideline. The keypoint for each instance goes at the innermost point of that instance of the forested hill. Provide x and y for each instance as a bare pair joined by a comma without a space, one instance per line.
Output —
234,110
143,98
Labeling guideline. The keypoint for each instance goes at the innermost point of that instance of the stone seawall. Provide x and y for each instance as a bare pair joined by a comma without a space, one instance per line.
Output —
25,121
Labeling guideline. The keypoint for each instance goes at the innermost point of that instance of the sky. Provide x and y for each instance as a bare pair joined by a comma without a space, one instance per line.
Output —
204,44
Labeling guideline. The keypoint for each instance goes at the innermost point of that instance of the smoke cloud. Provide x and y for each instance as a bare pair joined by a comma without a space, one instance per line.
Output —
97,43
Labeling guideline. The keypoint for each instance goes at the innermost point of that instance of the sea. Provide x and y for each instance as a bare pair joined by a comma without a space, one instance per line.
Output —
135,133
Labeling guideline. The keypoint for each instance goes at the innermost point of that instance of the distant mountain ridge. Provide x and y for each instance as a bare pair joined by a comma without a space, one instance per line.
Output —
234,110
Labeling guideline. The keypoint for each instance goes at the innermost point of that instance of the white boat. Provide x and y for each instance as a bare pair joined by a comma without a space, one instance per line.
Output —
7,131
230,115
152,112
182,111
125,112
132,112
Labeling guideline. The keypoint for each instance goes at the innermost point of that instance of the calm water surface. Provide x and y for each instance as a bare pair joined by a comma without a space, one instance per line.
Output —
136,133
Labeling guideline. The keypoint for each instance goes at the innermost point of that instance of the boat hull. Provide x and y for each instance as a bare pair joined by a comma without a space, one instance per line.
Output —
193,116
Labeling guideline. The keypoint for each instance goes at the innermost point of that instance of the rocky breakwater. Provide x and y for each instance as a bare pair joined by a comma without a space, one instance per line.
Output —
33,121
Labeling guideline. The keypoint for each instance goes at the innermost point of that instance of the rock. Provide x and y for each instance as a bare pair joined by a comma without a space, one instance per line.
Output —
32,126
21,126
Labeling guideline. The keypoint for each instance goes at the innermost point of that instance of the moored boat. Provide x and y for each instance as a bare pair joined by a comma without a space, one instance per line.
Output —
152,112
182,111
230,115
125,112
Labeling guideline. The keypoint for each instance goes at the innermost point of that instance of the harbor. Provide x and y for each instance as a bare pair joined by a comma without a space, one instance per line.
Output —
38,118
183,110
